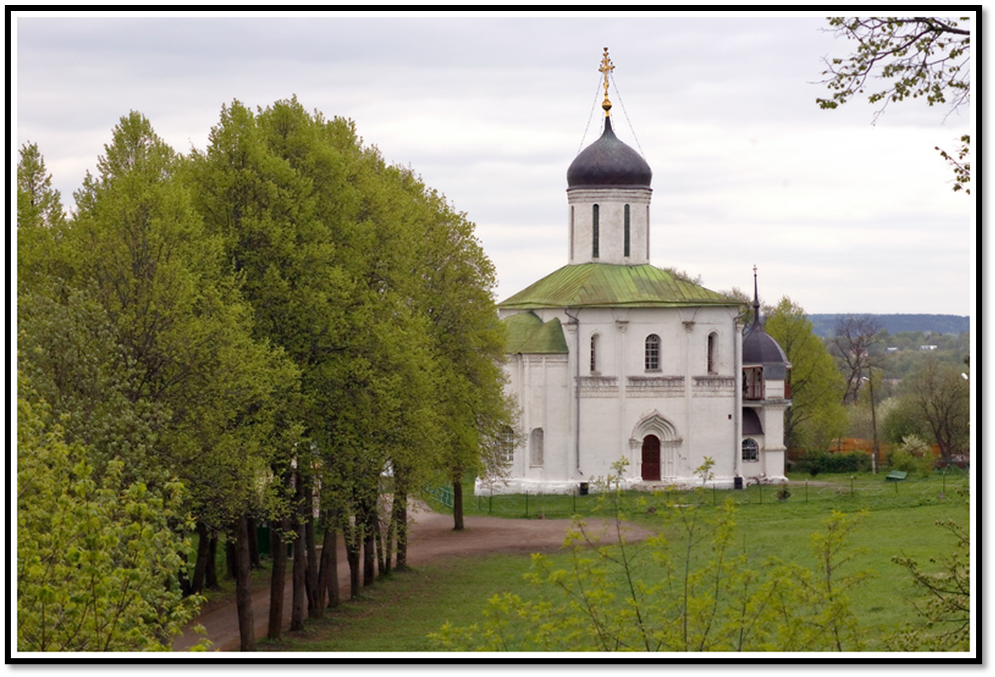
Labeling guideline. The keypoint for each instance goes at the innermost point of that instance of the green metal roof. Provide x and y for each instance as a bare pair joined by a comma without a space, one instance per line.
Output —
605,284
528,334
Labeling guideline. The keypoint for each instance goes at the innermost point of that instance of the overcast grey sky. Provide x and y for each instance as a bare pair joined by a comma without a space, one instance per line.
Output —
839,214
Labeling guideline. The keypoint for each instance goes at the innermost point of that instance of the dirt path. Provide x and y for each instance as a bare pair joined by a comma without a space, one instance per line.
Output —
431,537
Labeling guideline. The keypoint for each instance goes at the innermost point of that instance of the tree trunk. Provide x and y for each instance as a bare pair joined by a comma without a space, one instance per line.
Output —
299,579
329,578
253,544
300,562
211,573
278,580
387,545
229,556
369,543
400,510
203,554
352,555
458,503
243,586
315,594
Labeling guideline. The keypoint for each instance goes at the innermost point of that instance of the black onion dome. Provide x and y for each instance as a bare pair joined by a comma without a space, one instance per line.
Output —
760,348
608,162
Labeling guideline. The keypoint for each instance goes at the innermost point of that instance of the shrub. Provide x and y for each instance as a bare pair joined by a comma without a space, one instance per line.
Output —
822,461
913,455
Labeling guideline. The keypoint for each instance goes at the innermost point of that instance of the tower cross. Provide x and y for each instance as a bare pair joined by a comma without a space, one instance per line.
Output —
606,67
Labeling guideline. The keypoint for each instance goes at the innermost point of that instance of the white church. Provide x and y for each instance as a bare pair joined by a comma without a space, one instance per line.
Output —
610,357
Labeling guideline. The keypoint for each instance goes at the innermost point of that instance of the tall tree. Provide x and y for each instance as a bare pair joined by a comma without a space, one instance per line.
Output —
183,330
252,194
940,396
817,414
913,57
38,203
470,344
855,344
39,213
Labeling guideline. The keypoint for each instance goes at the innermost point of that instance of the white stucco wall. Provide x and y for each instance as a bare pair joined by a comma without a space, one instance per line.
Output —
611,218
620,401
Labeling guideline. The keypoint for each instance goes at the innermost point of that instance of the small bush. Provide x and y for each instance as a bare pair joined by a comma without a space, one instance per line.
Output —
913,455
821,461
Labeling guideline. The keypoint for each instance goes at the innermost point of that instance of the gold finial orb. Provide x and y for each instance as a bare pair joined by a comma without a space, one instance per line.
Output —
606,67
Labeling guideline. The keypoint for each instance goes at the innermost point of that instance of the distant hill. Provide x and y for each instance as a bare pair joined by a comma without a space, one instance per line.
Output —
823,323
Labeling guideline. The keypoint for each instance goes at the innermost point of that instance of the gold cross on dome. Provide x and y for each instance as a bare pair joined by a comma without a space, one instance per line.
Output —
606,67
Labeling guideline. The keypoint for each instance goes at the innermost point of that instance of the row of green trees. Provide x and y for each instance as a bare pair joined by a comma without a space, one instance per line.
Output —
271,328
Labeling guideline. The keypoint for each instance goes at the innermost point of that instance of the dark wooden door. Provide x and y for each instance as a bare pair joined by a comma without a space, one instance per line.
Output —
651,458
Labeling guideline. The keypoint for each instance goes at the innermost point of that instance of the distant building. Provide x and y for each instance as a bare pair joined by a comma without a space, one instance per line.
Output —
612,358
930,347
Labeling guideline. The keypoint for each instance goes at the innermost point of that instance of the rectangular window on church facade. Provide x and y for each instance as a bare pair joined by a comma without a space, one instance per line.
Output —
594,233
652,354
626,236
535,448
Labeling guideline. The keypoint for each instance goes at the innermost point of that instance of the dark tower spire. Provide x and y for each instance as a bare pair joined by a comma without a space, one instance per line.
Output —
756,297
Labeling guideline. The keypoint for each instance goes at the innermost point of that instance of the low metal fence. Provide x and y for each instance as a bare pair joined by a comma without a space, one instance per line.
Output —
843,493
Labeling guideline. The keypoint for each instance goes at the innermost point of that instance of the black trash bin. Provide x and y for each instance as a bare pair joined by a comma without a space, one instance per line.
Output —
737,482
583,488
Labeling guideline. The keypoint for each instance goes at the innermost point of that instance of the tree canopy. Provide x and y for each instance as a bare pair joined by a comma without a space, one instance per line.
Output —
939,396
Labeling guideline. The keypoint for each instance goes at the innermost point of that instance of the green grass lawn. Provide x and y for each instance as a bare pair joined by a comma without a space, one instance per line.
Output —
883,602
396,614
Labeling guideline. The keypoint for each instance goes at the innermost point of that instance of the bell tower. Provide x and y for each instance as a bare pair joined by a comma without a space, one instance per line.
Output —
608,193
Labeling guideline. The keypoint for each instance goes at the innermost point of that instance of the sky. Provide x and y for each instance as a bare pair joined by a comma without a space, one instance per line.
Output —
842,213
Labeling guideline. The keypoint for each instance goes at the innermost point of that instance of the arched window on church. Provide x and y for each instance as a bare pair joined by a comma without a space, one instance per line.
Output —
594,353
751,450
712,359
626,243
594,232
535,448
652,358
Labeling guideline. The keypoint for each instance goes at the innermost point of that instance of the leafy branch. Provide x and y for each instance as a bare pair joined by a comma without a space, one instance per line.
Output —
917,57
947,603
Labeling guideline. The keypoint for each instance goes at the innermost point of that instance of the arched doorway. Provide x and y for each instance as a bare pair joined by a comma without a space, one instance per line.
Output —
651,458
659,443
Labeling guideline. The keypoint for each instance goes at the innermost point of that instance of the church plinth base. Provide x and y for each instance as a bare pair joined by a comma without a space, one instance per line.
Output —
569,487
525,486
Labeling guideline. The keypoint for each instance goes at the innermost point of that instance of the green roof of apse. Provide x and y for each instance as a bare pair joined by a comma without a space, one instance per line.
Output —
528,334
605,284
